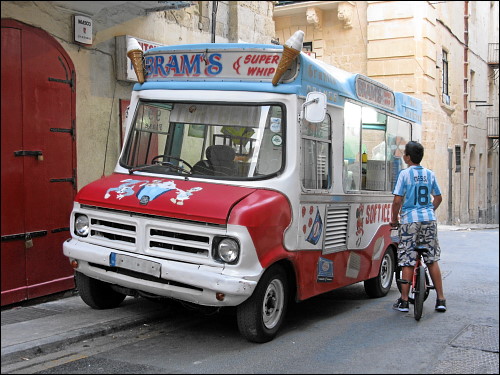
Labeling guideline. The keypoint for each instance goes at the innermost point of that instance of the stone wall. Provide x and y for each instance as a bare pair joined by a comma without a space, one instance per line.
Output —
400,44
98,91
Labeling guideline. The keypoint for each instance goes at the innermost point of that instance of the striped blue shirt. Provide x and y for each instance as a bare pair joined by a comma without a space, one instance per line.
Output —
416,184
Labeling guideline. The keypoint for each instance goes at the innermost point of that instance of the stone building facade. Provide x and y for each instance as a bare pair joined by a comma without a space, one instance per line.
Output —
398,43
98,91
440,52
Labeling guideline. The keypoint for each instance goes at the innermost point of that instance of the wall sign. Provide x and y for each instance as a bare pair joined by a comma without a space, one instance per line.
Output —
83,29
124,69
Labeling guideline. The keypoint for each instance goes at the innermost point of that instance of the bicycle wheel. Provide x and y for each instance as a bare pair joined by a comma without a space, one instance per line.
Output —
427,283
397,276
420,290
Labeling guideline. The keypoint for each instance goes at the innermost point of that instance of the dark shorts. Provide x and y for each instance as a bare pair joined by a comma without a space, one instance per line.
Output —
424,233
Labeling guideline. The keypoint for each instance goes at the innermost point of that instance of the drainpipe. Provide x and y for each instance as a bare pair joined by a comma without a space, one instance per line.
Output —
214,18
466,70
466,95
450,186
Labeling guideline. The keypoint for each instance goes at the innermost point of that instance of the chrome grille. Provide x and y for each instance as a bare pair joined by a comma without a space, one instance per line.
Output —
179,242
112,231
151,235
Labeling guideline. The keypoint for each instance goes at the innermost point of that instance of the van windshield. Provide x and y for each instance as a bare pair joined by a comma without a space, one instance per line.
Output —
206,140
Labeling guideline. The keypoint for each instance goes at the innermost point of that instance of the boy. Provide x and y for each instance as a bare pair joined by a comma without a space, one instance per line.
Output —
412,196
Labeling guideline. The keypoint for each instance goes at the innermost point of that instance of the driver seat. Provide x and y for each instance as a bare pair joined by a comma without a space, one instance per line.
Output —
220,162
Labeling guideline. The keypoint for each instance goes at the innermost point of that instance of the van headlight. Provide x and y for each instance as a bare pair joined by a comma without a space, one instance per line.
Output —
82,226
227,250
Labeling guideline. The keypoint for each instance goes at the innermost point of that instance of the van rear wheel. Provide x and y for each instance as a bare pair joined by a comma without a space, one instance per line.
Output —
261,316
380,285
97,294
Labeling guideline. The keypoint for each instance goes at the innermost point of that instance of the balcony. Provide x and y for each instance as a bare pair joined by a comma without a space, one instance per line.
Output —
493,59
492,127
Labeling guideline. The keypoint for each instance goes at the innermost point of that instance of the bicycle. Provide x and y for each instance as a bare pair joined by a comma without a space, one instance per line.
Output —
420,284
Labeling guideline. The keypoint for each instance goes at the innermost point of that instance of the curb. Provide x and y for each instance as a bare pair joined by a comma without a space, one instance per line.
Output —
71,331
444,227
60,340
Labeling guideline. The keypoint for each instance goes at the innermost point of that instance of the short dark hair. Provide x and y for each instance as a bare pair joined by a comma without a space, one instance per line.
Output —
415,151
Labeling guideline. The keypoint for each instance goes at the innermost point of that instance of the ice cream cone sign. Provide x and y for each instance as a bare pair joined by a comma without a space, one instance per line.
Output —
291,50
136,55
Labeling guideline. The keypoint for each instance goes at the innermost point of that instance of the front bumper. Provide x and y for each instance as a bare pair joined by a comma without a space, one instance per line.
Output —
179,280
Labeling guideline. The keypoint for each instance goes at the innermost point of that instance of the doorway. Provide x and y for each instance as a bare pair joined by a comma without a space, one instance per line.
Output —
38,162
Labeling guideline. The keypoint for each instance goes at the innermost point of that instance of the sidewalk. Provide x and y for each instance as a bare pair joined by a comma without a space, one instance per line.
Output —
34,328
467,227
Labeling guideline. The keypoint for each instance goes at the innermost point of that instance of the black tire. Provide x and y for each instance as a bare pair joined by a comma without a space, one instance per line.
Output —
97,294
260,317
427,283
420,290
380,285
397,275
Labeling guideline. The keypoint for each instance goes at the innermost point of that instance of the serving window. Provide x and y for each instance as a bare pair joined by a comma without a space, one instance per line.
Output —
374,145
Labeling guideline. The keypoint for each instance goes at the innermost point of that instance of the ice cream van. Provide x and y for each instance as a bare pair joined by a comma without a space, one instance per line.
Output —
251,176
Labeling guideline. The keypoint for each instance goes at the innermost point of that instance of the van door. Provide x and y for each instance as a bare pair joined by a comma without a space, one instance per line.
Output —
38,162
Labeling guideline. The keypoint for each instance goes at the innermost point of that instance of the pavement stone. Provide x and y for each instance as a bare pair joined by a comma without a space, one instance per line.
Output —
35,329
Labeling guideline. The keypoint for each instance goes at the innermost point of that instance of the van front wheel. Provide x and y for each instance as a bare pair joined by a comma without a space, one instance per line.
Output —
260,317
97,294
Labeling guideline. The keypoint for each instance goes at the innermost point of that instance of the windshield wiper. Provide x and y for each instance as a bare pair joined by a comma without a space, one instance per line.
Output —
139,168
181,170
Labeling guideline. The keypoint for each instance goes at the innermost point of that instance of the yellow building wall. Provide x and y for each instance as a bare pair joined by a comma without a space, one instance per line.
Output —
400,44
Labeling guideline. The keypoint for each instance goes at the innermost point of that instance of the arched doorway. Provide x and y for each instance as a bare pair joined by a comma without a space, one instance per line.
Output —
38,162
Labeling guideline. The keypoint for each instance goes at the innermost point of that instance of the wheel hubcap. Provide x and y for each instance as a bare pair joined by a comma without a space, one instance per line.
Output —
385,271
272,306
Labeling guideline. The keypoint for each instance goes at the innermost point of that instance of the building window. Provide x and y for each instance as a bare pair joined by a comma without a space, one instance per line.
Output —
458,159
445,73
307,48
446,94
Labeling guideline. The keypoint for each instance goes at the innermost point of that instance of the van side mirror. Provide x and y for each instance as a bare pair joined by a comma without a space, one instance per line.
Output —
314,107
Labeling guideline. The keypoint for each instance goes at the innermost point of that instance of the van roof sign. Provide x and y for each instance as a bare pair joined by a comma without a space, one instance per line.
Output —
220,62
374,92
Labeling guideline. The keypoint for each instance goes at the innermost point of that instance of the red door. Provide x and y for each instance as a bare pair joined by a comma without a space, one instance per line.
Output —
38,162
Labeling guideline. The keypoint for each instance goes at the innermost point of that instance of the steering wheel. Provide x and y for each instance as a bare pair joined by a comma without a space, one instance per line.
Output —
170,165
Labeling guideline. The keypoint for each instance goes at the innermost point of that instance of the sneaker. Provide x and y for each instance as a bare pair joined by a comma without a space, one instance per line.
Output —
441,305
401,305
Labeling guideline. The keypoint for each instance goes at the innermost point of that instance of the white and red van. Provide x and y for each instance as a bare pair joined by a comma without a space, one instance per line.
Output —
234,191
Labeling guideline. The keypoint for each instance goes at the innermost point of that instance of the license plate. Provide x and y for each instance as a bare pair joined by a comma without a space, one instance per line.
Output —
135,264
